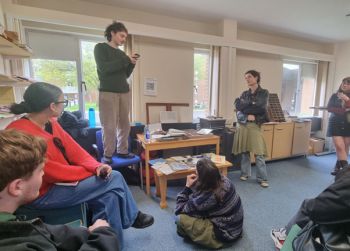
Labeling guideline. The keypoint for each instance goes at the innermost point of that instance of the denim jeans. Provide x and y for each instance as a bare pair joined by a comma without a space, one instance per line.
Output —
261,173
109,199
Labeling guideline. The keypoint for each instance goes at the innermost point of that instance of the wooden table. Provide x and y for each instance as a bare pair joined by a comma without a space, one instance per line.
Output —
162,179
153,145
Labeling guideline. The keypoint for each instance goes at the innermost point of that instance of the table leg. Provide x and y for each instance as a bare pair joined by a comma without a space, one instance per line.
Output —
148,185
156,180
163,191
218,148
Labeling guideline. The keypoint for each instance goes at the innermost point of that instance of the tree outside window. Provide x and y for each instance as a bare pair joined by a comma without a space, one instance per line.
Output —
201,83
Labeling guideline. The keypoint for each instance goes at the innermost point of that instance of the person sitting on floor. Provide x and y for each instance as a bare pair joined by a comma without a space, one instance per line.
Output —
330,207
213,207
22,158
105,191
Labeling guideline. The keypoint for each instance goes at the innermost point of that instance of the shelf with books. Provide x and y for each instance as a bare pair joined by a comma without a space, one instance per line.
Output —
6,80
8,48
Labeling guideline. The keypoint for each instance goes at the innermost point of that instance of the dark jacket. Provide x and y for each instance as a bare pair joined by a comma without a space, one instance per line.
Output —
226,215
74,124
32,235
254,104
333,204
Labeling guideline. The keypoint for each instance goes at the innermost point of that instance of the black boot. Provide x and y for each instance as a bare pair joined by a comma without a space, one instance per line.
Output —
343,164
143,220
336,168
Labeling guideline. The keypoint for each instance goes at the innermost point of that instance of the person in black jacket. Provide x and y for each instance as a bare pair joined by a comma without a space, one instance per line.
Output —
22,159
339,123
251,109
332,206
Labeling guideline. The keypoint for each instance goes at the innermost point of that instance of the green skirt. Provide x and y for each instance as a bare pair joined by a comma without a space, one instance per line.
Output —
248,138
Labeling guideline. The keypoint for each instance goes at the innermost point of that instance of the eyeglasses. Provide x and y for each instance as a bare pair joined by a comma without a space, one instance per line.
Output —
64,102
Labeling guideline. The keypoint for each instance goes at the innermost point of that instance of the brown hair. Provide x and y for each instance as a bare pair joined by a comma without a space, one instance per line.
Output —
255,74
345,80
115,27
20,155
209,178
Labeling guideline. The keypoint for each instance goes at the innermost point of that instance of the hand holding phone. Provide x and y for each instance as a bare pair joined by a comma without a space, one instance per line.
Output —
136,55
104,171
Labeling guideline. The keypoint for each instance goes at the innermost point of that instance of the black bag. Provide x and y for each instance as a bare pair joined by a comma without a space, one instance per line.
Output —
316,237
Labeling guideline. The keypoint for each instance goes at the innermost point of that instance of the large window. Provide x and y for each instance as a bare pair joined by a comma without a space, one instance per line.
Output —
61,73
201,84
298,88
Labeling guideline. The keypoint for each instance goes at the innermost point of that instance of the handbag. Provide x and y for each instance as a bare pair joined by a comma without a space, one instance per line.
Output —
322,237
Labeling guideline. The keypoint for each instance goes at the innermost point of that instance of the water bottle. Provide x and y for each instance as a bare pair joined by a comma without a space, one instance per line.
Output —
92,119
147,134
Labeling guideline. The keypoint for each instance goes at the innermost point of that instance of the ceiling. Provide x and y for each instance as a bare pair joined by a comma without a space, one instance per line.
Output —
322,20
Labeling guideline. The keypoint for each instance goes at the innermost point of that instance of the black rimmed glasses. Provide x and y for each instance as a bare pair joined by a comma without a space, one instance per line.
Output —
64,102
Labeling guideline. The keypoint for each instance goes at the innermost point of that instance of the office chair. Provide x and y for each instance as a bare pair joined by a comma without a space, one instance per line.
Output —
118,162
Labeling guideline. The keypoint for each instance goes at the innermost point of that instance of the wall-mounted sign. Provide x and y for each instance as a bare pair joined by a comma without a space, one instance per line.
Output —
150,87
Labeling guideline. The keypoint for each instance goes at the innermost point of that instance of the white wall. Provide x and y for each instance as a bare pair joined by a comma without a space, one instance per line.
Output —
342,63
269,66
171,64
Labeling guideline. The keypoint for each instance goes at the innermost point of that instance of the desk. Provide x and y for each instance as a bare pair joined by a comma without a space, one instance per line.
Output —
163,145
162,179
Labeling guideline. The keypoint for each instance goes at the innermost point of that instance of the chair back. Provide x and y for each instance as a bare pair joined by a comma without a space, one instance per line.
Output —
57,215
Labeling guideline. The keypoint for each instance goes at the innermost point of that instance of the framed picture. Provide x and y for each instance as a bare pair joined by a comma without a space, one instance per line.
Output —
150,87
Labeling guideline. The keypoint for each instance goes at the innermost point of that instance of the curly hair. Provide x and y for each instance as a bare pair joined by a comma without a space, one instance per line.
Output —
115,27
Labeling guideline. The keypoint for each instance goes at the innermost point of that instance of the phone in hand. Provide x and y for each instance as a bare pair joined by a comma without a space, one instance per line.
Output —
103,173
136,56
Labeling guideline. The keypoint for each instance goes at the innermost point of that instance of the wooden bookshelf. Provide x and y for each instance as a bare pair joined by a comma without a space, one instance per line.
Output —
6,80
8,48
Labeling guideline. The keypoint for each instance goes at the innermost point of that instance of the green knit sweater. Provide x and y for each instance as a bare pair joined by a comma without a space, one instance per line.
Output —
113,68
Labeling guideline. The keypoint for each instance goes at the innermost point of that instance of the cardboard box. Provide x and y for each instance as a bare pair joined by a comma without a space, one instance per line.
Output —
316,145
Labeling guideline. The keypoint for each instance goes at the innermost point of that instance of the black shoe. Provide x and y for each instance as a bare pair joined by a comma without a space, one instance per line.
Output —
143,220
336,168
106,160
126,155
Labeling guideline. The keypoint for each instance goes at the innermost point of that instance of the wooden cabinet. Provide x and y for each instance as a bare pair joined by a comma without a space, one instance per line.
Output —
282,140
267,131
301,135
286,139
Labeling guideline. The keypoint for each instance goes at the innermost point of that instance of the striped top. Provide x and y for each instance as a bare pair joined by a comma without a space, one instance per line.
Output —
226,216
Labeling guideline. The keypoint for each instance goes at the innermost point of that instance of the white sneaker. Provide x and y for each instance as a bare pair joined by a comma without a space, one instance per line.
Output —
278,236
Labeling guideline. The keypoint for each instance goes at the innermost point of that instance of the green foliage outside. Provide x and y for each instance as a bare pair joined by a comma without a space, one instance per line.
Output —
64,73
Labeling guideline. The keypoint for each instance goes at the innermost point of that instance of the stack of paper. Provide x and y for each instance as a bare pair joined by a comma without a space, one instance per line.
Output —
218,159
163,167
178,166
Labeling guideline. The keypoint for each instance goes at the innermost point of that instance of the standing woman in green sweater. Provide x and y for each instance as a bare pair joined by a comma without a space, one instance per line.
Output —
114,67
